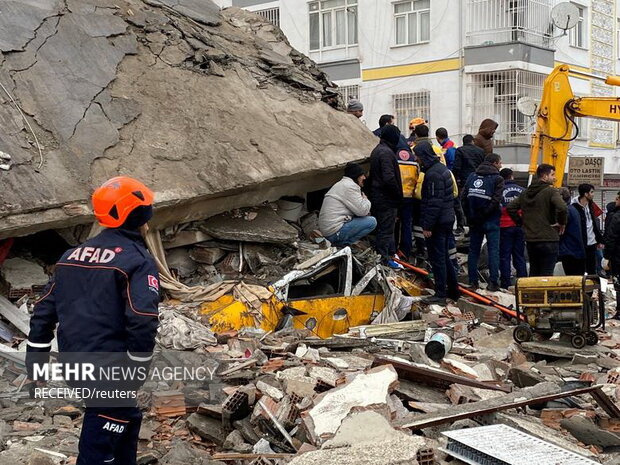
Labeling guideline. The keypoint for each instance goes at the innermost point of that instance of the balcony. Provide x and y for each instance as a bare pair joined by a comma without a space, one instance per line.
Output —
492,22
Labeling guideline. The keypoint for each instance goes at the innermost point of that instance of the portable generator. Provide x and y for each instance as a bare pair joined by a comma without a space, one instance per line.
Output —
571,305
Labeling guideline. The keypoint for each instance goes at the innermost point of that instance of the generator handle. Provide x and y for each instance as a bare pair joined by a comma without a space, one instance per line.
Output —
601,308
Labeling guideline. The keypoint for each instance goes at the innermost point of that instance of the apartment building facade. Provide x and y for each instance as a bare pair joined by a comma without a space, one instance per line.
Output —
456,62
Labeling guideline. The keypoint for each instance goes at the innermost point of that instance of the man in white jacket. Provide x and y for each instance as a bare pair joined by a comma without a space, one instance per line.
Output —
344,218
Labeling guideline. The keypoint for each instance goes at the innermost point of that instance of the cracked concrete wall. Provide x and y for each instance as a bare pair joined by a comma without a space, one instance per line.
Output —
214,110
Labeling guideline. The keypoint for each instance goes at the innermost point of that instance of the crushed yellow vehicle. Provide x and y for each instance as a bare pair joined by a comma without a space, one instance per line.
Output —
328,298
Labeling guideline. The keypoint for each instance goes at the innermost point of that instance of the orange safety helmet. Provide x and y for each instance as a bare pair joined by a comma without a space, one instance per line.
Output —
117,198
416,122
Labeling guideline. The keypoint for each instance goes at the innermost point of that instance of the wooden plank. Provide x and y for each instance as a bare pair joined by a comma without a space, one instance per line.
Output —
14,315
514,400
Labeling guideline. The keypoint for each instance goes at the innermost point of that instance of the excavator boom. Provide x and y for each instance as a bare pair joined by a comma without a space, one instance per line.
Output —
555,123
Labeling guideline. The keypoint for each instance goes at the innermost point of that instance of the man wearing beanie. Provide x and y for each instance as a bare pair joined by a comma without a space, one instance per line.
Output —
104,297
344,218
355,107
386,192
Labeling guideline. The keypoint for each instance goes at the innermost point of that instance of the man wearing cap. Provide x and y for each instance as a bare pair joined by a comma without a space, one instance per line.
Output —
104,298
412,125
355,108
344,217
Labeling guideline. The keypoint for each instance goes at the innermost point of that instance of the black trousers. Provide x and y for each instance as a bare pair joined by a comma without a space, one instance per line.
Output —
446,284
543,257
591,259
109,436
386,223
573,266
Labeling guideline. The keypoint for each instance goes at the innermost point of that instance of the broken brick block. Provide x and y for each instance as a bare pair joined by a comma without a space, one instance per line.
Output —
552,417
425,456
460,394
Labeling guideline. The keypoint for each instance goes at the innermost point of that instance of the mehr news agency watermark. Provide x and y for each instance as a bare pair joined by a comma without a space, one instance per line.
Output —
102,378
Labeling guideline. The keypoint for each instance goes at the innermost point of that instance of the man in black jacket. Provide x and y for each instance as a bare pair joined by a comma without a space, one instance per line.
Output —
482,197
386,192
466,160
437,218
590,230
611,252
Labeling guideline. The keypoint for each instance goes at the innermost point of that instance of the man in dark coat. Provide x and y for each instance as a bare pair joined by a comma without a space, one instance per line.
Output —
590,230
467,159
611,252
572,251
386,191
485,135
437,218
543,217
482,197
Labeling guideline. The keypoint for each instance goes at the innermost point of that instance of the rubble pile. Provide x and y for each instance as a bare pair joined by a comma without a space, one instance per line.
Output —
368,393
213,110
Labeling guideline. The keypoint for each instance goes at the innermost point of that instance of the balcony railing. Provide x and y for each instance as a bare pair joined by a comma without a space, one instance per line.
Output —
500,21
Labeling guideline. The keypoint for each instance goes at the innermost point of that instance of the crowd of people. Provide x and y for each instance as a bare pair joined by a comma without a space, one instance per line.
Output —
420,194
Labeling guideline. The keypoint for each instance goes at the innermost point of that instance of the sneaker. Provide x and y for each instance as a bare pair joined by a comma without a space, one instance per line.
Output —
459,231
396,266
434,300
492,287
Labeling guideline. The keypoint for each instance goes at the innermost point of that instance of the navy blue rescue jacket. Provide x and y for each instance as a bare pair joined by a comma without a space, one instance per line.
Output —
483,191
103,297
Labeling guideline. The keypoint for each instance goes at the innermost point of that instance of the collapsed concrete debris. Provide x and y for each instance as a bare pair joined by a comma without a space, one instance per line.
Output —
158,90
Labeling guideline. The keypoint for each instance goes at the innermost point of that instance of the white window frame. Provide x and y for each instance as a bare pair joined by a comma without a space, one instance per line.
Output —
580,31
412,14
349,92
329,27
419,106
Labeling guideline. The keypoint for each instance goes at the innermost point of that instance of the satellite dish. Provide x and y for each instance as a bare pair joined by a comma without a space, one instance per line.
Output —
565,15
527,106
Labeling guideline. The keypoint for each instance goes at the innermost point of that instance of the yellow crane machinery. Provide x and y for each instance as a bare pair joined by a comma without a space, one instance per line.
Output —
555,123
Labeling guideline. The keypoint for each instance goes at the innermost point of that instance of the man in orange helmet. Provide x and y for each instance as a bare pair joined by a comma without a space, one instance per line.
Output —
104,297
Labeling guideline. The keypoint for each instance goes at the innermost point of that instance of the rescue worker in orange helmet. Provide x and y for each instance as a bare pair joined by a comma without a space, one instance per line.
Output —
103,299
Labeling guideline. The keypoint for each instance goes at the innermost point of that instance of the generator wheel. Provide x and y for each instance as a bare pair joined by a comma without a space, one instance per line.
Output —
522,333
578,341
591,338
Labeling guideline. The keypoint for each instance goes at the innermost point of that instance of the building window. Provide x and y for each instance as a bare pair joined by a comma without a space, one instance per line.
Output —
577,35
495,94
270,14
333,23
349,92
412,22
412,105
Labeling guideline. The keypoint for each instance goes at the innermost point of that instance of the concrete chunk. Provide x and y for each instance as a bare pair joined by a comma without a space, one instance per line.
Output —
207,428
266,227
367,390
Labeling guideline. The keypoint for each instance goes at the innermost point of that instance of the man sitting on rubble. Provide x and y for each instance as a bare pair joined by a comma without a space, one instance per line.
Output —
104,297
344,218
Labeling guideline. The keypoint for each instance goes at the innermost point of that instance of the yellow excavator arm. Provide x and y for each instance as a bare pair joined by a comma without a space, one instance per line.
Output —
555,123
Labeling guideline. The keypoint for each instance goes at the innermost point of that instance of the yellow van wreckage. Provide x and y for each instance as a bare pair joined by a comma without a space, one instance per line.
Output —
328,297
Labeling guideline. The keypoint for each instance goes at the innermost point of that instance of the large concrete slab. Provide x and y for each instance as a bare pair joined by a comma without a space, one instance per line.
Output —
173,92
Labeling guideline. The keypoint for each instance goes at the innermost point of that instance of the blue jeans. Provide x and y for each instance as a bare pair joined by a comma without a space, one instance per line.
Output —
445,275
490,229
511,247
353,231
